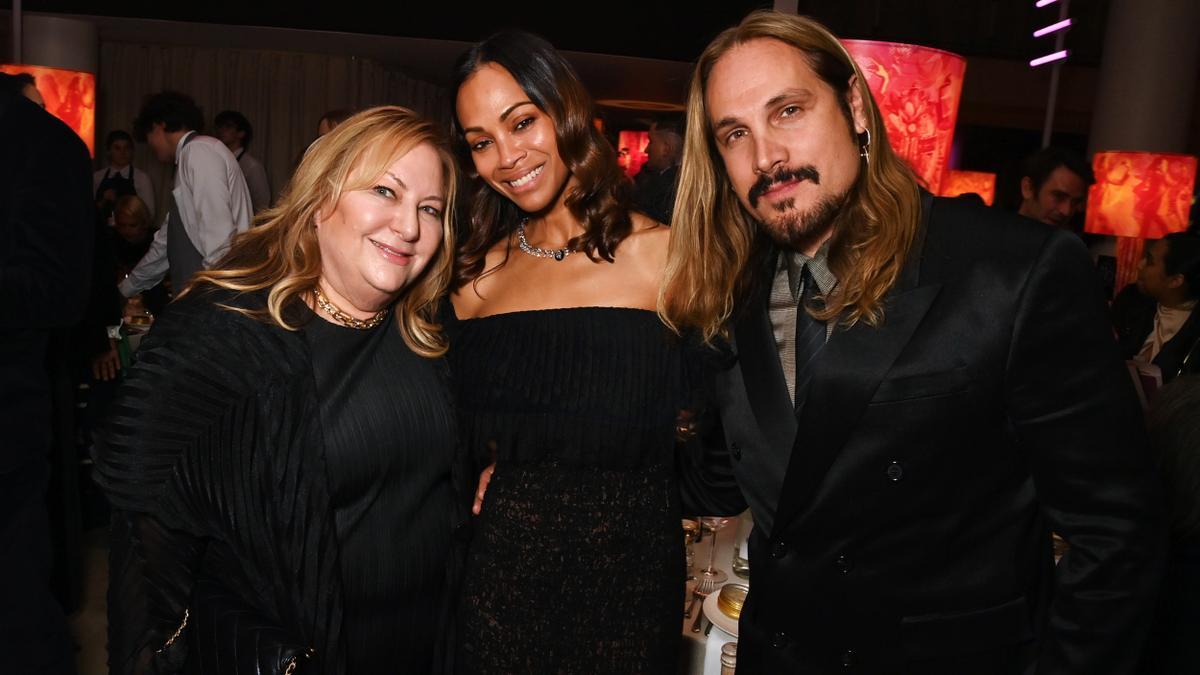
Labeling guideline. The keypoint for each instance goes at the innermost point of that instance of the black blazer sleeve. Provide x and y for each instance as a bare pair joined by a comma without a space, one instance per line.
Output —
150,582
187,461
707,484
1075,415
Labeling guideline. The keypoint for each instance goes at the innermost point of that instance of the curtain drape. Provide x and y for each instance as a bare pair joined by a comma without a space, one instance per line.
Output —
283,94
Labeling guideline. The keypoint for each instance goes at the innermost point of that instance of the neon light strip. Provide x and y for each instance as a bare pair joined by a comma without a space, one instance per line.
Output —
1056,56
1051,28
1043,3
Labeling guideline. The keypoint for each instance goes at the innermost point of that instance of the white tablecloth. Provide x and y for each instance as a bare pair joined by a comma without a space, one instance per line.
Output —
702,655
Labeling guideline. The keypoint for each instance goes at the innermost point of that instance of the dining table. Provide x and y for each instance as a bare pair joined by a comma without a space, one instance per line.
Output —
701,652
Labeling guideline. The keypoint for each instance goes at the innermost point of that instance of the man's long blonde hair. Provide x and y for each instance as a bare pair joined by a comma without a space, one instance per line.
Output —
711,265
281,252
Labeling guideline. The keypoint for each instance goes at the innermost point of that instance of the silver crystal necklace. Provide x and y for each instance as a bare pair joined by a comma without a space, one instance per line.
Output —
537,252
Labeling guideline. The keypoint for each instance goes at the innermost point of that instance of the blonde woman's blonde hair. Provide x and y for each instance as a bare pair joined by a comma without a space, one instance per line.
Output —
281,253
715,242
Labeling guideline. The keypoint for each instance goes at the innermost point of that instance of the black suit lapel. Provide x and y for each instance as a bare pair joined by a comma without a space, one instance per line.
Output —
844,380
766,388
845,377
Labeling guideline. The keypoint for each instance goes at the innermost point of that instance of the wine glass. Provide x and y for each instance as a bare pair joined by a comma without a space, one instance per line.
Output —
690,529
713,524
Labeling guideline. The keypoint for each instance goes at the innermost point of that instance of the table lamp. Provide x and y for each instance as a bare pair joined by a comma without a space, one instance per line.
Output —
981,183
70,96
917,90
1139,196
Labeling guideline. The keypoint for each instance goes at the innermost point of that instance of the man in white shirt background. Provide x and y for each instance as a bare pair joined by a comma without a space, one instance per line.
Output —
235,132
120,177
208,204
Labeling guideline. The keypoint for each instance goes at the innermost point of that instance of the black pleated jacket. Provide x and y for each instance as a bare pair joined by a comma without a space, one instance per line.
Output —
213,461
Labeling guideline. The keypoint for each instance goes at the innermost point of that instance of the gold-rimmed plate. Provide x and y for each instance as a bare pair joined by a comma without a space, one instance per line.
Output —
721,620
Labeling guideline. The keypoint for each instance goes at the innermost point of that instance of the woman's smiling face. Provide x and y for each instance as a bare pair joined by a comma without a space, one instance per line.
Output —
513,143
379,239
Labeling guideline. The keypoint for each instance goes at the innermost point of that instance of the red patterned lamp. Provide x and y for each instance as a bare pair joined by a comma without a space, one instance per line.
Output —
918,90
981,183
1139,196
631,147
70,96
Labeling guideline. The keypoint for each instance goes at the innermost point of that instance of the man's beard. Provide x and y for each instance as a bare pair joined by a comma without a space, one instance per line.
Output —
796,230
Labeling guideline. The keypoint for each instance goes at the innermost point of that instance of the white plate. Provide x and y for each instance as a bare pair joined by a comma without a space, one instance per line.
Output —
717,617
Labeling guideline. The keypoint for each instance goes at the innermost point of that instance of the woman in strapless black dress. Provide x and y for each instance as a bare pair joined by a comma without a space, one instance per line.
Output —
566,379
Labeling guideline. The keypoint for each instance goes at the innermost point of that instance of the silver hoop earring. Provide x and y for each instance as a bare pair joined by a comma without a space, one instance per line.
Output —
864,151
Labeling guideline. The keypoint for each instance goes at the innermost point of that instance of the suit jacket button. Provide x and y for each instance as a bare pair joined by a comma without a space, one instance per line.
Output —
779,640
848,658
895,472
779,550
843,564
736,450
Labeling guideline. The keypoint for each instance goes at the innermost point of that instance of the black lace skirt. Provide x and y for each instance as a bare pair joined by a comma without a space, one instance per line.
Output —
573,570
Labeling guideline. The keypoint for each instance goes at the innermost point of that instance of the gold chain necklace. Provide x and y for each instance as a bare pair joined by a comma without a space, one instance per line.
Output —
344,318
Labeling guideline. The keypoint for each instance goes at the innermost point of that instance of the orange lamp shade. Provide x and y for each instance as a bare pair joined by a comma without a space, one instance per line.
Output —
1140,194
917,90
631,151
981,183
70,96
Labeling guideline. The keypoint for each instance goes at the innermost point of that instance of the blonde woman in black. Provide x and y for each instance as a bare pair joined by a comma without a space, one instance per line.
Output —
280,463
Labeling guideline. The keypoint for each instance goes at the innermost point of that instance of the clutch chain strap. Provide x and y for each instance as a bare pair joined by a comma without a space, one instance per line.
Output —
178,631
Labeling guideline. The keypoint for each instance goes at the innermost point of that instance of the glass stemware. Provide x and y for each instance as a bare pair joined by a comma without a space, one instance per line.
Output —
691,528
713,524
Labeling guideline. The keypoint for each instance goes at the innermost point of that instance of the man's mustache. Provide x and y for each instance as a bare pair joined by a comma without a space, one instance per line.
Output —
765,182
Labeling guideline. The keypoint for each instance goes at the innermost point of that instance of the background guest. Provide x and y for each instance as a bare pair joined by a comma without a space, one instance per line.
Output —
1054,185
330,120
46,230
235,132
130,239
120,178
1175,434
655,184
209,202
27,86
1154,318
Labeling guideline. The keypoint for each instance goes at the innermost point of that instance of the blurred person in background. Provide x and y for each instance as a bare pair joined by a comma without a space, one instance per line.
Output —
1155,317
1174,423
330,120
47,222
236,133
120,178
208,204
655,184
1054,184
27,86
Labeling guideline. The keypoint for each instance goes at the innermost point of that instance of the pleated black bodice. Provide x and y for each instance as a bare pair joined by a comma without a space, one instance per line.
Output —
576,561
389,442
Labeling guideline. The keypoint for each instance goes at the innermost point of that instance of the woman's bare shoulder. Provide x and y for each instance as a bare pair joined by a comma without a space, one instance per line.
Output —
648,239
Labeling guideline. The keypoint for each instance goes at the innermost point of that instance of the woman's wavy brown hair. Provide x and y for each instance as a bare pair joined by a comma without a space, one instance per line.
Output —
281,252
600,201
711,264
